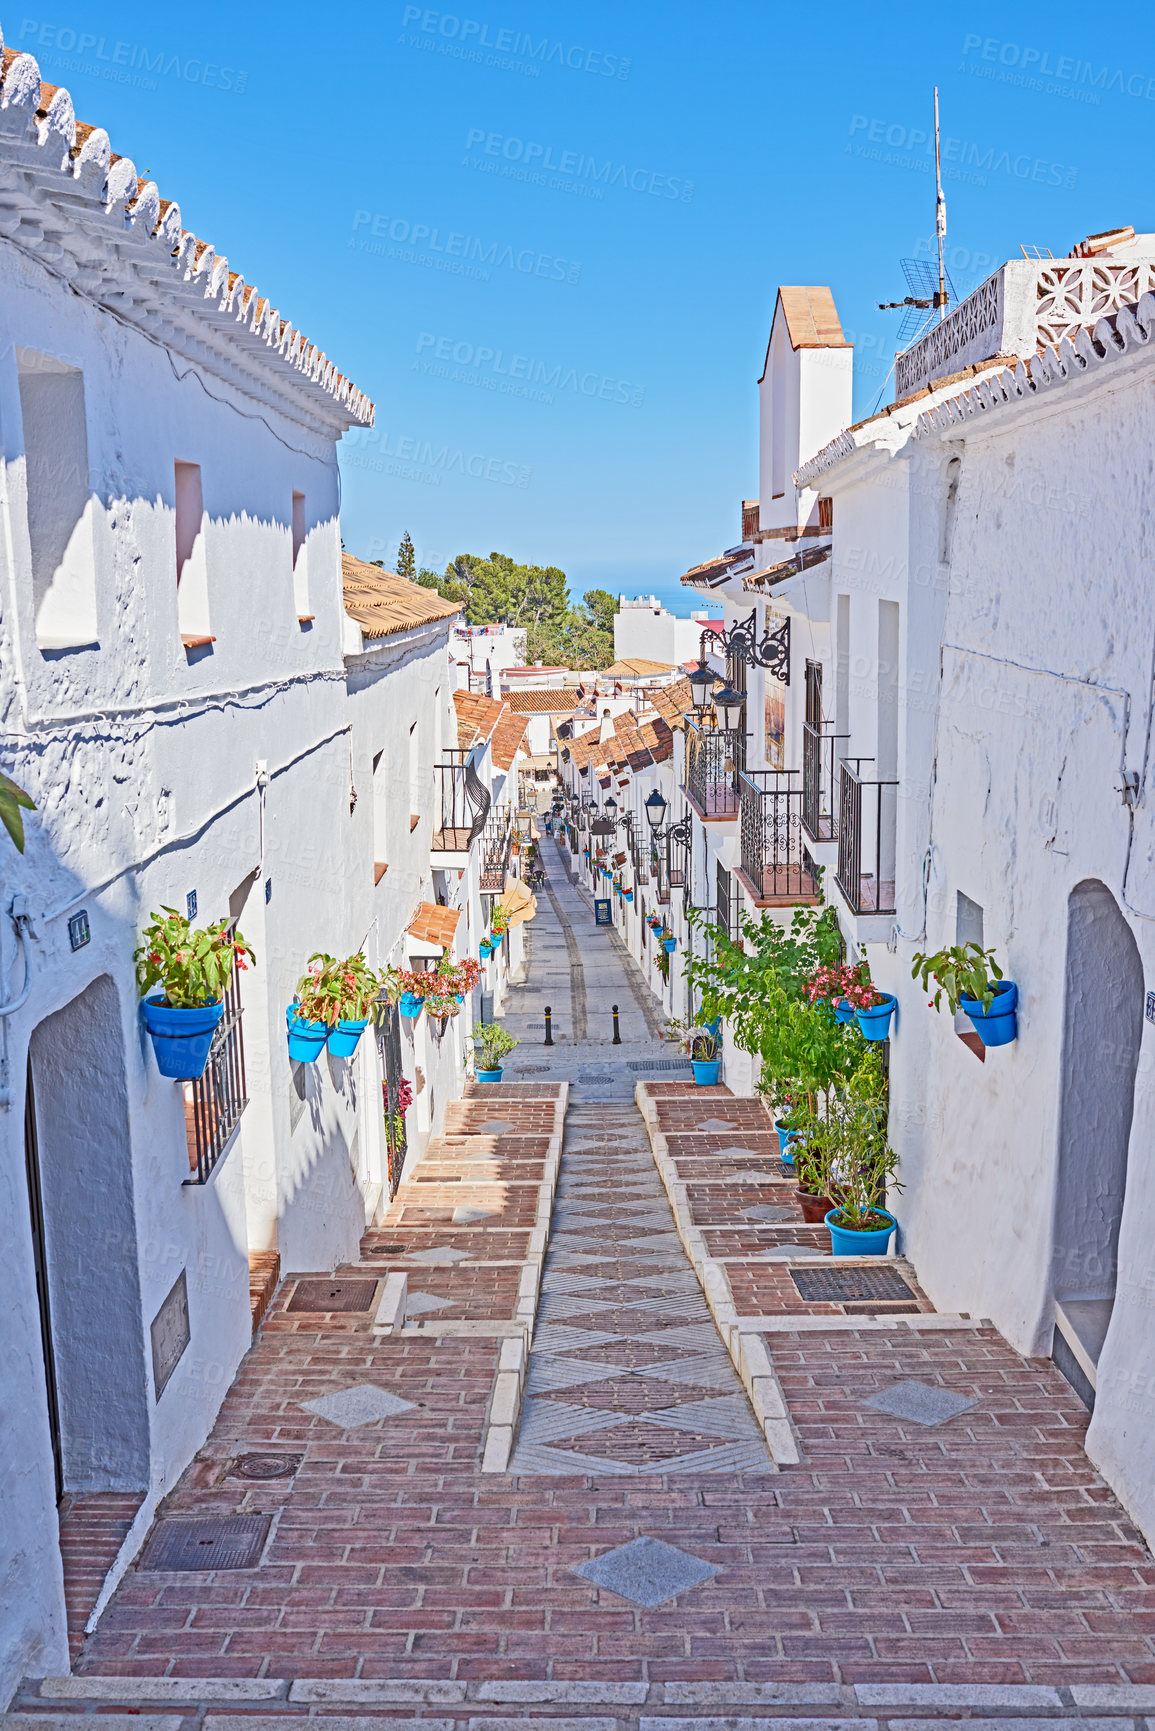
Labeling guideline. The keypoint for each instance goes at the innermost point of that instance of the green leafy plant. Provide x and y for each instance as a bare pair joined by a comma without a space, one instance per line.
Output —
193,965
846,1155
14,800
335,991
491,1043
960,971
702,1045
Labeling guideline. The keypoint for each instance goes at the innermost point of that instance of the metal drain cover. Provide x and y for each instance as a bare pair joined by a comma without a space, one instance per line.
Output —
222,1542
682,1064
599,1080
528,1070
846,1285
261,1467
321,1295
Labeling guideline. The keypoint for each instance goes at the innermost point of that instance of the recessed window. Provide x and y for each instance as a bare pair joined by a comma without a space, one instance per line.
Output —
300,562
60,501
191,565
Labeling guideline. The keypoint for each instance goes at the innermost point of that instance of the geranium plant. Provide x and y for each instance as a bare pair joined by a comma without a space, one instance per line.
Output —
333,991
192,965
831,984
498,920
960,971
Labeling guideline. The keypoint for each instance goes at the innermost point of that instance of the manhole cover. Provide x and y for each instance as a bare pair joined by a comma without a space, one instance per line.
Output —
223,1542
600,1080
332,1295
391,1249
529,1070
845,1285
261,1467
682,1064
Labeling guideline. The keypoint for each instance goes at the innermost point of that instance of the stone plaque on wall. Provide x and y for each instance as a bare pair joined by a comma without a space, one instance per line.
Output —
170,1334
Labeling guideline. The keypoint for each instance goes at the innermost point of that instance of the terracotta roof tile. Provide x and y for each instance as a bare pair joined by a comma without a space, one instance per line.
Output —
811,318
507,736
433,924
637,667
382,603
477,716
673,702
561,702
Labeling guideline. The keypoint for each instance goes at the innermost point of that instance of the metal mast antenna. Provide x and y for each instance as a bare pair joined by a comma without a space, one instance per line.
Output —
939,217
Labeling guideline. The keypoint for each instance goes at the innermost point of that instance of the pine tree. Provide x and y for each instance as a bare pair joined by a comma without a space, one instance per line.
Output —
406,559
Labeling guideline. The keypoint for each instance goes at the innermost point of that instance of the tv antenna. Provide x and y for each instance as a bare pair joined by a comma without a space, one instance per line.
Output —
927,294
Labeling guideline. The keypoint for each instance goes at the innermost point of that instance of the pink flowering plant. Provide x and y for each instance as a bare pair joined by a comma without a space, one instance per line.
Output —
193,965
831,984
333,991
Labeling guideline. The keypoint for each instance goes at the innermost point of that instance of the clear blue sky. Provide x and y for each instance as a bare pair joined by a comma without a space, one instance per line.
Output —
379,176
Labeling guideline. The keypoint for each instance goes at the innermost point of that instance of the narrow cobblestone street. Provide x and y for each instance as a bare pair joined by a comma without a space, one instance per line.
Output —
644,1549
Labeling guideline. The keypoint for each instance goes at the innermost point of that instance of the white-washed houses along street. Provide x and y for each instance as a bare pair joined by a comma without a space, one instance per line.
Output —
279,749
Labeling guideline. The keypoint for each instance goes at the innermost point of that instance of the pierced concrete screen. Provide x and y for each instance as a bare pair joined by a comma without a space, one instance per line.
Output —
170,1334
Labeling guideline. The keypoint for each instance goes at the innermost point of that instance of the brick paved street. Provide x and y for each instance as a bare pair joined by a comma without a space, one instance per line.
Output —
983,1549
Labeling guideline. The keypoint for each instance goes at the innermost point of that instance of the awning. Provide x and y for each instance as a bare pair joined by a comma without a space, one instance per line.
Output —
434,924
519,903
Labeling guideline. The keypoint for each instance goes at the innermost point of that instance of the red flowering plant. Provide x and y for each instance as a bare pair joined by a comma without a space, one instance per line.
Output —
192,965
831,984
333,991
498,920
442,986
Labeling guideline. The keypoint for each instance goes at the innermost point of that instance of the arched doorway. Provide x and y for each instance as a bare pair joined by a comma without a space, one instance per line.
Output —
84,1236
1102,1031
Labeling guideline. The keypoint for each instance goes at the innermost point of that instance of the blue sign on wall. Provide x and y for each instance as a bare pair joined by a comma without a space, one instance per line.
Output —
603,912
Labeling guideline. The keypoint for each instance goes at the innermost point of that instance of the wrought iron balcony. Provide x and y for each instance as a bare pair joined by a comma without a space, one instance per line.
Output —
214,1102
867,825
822,753
461,804
496,841
714,761
776,868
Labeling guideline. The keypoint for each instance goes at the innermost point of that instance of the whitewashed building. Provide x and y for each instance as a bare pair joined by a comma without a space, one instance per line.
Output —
205,720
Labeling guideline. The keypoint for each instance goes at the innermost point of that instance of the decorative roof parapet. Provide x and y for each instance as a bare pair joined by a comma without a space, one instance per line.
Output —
1120,335
70,190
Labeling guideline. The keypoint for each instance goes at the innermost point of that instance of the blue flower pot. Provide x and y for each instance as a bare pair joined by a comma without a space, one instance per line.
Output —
706,1071
485,950
306,1039
489,1075
181,1039
874,1023
844,1243
785,1139
410,1004
669,945
344,1037
999,1025
843,1011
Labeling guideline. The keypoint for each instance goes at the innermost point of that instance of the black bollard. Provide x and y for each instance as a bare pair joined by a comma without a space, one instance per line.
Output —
617,1039
548,1026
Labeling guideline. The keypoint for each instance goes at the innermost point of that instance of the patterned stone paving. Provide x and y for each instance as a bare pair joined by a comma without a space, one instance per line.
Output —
628,1374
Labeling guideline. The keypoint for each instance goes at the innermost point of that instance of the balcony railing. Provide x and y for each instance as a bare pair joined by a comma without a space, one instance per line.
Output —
821,755
214,1102
496,841
867,820
775,864
714,760
462,804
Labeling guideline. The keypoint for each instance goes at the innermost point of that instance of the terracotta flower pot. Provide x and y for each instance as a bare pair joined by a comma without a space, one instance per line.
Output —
814,1208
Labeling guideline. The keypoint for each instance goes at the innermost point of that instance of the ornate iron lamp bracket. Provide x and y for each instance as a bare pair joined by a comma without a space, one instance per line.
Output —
772,653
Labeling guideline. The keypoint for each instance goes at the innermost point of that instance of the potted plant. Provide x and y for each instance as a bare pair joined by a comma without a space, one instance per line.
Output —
669,941
849,1157
703,1046
339,994
971,980
812,1198
191,967
485,949
498,923
411,999
491,1043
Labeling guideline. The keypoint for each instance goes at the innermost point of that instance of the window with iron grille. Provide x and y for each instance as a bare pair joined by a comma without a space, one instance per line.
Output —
814,694
726,903
825,512
214,1102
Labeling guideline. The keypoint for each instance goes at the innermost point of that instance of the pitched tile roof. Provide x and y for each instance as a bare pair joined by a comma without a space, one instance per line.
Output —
507,736
716,571
158,275
383,603
560,702
673,702
636,667
811,318
433,924
477,716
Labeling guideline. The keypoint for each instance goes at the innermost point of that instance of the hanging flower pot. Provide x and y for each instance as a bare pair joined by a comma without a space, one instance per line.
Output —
874,1019
410,1005
181,1039
669,945
485,949
872,1242
345,1037
997,1026
843,1011
629,895
306,1039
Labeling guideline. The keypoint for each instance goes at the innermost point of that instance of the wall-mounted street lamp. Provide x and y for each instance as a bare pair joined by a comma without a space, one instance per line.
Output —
740,643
